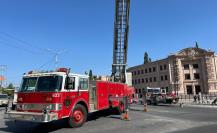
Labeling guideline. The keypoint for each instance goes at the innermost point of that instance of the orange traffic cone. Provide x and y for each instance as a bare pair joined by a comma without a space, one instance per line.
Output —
145,107
125,115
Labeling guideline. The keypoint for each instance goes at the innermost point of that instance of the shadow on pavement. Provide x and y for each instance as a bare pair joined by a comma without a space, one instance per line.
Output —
30,127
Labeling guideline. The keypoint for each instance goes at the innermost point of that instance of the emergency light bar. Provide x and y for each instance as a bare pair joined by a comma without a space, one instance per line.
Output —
65,70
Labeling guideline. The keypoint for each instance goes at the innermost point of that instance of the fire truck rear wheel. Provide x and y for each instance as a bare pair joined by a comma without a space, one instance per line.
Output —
120,108
78,116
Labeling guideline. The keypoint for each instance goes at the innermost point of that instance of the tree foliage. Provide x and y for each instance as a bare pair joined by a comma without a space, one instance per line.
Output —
147,59
10,86
196,45
90,75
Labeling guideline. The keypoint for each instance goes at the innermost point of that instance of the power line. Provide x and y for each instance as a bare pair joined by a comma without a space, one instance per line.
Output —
16,47
23,41
32,51
56,54
46,63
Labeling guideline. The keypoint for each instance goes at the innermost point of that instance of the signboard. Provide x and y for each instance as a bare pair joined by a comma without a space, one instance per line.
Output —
2,78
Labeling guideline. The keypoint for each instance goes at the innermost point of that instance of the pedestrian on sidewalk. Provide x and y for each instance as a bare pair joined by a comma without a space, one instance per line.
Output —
199,97
195,98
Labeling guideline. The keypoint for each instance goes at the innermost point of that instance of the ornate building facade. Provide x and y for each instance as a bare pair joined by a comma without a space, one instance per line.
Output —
190,71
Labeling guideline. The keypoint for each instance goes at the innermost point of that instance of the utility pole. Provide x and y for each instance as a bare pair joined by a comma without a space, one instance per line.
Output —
56,54
2,77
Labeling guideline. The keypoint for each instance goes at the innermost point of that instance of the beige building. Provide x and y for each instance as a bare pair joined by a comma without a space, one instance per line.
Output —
190,71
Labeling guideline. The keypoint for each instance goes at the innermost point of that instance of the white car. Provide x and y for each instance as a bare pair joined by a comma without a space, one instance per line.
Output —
4,99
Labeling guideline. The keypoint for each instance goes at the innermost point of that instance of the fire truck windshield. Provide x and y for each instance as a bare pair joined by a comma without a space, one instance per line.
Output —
43,83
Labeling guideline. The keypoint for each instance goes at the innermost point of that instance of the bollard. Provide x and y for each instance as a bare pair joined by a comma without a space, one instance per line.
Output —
145,107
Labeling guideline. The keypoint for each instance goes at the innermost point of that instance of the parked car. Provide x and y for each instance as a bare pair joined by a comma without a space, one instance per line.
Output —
4,99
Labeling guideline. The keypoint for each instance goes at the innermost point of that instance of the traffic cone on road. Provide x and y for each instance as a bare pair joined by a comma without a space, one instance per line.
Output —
145,107
125,115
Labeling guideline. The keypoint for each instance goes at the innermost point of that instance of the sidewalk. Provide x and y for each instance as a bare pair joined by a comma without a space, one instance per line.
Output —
191,103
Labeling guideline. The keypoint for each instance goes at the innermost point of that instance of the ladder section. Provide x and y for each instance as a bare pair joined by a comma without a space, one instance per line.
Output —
121,28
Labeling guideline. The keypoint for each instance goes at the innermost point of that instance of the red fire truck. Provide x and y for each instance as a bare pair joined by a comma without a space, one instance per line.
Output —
49,96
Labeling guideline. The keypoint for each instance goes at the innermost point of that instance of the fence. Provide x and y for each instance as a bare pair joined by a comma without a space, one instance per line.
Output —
205,98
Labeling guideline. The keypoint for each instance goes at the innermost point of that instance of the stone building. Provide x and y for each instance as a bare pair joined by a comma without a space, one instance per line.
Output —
190,71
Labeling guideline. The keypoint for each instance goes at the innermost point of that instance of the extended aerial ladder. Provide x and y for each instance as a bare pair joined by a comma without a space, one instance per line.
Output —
121,28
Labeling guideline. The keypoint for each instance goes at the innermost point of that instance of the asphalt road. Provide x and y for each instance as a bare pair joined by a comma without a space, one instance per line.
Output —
159,119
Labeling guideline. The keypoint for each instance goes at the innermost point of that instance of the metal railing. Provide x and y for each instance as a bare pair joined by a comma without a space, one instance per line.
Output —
204,98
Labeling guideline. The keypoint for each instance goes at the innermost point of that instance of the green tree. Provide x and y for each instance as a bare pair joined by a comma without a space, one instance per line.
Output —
147,59
90,75
10,86
196,45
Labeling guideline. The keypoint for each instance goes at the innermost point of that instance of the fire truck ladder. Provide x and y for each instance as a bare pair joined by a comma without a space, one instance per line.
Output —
121,28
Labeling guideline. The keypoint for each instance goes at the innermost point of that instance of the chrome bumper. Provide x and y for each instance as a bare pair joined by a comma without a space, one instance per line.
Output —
31,116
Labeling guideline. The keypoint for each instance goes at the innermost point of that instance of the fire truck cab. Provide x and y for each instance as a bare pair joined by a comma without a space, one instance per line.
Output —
49,96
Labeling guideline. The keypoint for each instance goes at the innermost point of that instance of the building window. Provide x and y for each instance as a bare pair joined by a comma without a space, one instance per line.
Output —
132,81
154,69
161,67
139,90
138,81
142,80
136,91
186,66
165,77
134,72
138,72
146,80
189,89
146,71
162,78
195,66
135,81
196,76
165,67
167,89
187,76
142,71
150,70
155,79
150,79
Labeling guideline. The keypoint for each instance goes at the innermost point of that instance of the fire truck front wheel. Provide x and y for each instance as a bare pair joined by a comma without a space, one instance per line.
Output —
78,116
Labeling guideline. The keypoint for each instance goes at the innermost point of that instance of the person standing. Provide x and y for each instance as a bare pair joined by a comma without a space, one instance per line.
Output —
199,97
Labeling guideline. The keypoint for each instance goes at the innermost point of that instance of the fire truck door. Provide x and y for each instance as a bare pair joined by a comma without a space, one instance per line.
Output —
102,96
92,97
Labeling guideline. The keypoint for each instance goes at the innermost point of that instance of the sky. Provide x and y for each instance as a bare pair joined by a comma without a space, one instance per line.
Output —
81,32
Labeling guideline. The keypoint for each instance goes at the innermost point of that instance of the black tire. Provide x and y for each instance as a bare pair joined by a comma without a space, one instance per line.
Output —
169,101
78,116
148,102
119,109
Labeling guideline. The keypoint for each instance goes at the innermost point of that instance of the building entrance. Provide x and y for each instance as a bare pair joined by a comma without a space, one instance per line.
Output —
189,89
197,89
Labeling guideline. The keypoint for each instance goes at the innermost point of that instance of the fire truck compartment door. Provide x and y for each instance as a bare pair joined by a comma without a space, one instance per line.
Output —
102,96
